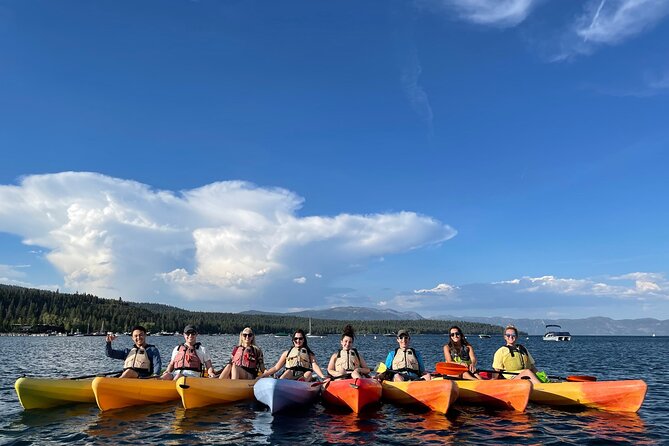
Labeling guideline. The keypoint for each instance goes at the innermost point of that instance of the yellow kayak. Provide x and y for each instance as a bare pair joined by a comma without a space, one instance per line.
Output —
199,392
115,393
42,393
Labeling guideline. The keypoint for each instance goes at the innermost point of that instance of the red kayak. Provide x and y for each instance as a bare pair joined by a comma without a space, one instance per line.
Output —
355,393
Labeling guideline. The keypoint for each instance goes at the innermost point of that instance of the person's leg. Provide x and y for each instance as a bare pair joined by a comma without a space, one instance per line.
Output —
225,374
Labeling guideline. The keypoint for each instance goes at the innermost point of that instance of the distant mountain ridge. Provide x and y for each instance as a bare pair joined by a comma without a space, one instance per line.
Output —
350,313
602,326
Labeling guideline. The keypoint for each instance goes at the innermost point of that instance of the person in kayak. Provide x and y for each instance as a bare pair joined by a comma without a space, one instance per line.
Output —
299,361
141,361
246,359
405,363
459,351
189,358
347,362
514,357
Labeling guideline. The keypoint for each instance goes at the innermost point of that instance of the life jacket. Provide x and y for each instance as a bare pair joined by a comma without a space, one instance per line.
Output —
246,357
298,359
138,359
347,360
515,362
461,356
405,360
187,358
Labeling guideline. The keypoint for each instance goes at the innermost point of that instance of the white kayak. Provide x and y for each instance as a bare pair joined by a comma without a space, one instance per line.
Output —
284,394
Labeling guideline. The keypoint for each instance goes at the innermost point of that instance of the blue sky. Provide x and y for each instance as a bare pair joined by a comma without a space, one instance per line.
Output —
465,157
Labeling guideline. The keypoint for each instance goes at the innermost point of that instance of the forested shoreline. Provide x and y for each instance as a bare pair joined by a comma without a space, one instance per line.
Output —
32,310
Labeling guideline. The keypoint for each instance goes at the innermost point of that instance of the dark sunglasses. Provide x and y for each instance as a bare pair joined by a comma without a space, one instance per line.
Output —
247,335
456,333
510,335
403,337
191,332
298,338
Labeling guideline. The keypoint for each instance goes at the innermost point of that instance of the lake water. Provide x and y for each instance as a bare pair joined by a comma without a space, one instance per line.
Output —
250,423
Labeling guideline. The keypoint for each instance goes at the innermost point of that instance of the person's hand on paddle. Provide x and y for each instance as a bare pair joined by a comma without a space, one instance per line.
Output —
110,337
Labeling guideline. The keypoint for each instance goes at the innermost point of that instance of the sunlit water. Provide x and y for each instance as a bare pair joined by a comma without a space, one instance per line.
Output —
251,423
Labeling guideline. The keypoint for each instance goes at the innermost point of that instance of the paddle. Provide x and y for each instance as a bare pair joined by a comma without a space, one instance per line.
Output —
450,368
118,372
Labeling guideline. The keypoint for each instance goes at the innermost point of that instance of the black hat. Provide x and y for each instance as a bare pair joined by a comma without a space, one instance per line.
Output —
189,328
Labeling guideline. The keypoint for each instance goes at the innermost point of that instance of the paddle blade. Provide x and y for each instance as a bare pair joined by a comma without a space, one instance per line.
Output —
450,368
581,378
381,367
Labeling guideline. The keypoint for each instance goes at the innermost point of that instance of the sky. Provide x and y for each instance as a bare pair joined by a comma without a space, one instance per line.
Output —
448,157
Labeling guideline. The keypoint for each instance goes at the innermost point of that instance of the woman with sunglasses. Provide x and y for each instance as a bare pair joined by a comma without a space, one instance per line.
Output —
299,360
514,357
189,358
405,363
460,351
347,362
246,360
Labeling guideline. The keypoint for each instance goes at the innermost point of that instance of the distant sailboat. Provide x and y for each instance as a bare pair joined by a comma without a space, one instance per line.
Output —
309,335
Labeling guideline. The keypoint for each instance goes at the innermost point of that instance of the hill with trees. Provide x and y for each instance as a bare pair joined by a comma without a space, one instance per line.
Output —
40,311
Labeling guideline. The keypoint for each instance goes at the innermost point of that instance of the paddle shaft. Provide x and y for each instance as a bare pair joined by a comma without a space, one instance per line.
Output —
449,368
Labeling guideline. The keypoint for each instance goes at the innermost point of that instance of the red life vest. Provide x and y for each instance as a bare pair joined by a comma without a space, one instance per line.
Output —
187,358
245,357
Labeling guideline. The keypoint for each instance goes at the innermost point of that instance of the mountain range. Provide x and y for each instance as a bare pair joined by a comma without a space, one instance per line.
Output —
602,326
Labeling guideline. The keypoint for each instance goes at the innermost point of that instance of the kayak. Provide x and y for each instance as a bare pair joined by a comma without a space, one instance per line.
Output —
355,393
200,392
438,395
281,394
499,393
115,393
618,396
42,393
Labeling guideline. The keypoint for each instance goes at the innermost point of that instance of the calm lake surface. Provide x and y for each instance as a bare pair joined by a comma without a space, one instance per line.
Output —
250,423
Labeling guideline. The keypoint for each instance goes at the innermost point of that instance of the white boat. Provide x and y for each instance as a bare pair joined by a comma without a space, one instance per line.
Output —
553,333
484,336
309,335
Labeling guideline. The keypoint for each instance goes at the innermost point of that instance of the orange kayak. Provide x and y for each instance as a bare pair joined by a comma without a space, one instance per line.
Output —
438,395
618,396
115,393
355,393
500,393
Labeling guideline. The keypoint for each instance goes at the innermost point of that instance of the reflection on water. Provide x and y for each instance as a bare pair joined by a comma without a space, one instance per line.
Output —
251,423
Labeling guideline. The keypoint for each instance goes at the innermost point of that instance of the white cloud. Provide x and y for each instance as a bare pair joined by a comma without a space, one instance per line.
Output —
442,288
300,280
416,94
638,294
612,21
502,13
220,242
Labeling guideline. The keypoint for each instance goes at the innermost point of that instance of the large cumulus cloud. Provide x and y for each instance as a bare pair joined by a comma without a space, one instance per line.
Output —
224,242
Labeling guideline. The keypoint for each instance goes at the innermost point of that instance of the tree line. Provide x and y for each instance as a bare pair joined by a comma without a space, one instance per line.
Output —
34,310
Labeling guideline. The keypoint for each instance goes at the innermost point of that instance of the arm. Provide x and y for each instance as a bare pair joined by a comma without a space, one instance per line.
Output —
276,367
116,354
447,353
331,365
363,369
472,356
316,367
154,355
421,367
206,360
389,359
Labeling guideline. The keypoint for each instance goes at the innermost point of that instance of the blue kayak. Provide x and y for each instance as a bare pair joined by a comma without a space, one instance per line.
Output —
283,394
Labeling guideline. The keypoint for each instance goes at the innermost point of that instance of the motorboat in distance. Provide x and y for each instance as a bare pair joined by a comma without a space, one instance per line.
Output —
554,333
